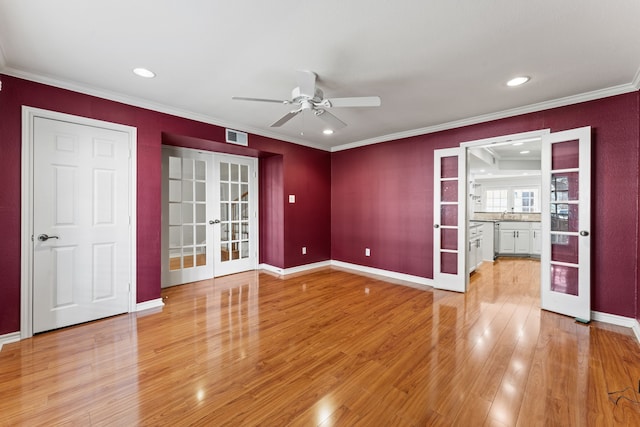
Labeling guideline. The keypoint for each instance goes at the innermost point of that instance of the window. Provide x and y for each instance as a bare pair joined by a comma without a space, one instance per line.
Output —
496,200
523,198
526,200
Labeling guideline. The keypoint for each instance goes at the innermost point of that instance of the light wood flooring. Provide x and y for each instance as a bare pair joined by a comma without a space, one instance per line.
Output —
330,348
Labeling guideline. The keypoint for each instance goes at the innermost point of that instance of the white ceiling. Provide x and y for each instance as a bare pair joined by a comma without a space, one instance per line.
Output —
435,64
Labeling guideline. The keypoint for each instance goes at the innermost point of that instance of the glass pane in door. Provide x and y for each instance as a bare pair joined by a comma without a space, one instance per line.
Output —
565,155
564,279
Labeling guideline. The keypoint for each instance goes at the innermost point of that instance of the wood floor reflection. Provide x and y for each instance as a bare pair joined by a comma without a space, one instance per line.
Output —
330,348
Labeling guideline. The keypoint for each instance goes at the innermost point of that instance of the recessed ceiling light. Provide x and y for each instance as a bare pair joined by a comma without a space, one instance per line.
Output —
518,143
482,170
517,81
525,152
143,72
327,131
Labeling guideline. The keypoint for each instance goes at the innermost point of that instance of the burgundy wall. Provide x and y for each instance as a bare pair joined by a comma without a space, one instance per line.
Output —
378,196
302,169
271,218
382,196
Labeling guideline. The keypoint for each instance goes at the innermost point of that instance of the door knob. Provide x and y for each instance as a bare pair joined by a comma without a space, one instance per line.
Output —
44,237
214,221
584,233
436,226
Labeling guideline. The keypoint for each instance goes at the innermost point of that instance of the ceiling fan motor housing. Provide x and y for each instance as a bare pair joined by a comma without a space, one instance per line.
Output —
297,97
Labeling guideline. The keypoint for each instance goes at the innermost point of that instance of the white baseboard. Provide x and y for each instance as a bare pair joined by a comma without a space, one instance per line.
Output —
385,273
614,319
147,305
423,281
9,338
292,270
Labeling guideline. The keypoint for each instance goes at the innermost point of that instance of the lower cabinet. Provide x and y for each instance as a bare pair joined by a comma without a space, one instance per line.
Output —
536,239
475,253
519,238
474,246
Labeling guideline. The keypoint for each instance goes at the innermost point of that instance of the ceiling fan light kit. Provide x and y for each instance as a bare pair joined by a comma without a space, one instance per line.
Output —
308,97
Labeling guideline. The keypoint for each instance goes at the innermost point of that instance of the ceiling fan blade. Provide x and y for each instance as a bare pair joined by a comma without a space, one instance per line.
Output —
307,82
359,101
334,122
284,119
242,98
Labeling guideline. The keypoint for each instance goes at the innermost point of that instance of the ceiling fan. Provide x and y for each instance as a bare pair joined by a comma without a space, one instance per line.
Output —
306,96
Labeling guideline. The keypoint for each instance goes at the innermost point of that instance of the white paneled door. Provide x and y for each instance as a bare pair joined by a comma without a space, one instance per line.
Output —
81,223
565,260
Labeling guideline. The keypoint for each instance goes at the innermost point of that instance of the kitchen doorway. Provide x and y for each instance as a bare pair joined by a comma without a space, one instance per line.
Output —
547,217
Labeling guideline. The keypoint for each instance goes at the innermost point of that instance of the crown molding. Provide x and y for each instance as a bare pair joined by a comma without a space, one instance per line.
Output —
532,108
633,86
636,80
142,103
3,59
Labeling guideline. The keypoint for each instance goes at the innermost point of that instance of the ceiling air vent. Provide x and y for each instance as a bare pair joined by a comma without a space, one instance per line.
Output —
238,138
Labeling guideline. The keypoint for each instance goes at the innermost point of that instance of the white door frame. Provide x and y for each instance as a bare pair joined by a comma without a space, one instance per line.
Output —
26,222
493,140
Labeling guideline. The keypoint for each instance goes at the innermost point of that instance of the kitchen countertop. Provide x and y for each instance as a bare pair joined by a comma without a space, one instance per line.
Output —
502,220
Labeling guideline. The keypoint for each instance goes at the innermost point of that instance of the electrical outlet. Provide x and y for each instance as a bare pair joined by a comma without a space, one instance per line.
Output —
367,252
304,250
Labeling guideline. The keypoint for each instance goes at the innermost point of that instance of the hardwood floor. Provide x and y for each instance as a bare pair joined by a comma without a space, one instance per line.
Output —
330,348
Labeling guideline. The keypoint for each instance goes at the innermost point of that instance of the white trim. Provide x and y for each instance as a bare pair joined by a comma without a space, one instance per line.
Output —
423,281
26,221
142,103
385,273
3,64
614,319
299,269
9,338
633,86
636,80
147,305
532,108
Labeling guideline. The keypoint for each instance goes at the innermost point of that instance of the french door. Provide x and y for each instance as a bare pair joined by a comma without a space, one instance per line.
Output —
566,223
187,208
449,216
209,215
235,210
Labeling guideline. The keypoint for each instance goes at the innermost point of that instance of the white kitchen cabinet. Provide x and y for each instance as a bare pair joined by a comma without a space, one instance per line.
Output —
523,242
474,246
507,241
536,239
515,238
488,251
